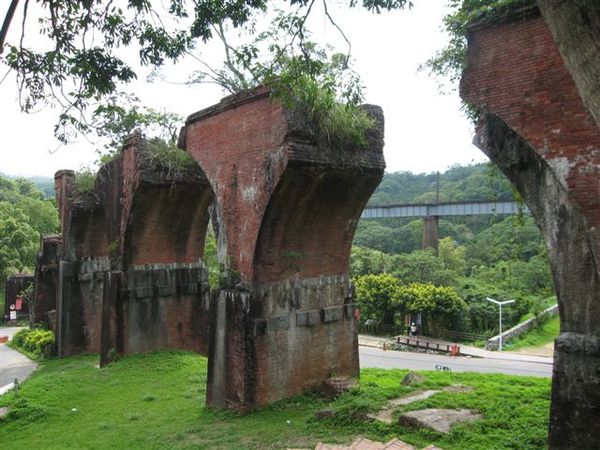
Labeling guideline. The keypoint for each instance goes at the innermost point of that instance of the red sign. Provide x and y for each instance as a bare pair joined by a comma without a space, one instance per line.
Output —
18,303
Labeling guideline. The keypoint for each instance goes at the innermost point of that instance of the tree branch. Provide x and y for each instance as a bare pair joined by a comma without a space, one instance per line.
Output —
6,25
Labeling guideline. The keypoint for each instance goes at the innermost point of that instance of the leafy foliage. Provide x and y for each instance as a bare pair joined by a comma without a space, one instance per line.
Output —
78,66
37,343
498,257
18,241
167,156
422,266
478,182
85,180
24,215
384,298
378,297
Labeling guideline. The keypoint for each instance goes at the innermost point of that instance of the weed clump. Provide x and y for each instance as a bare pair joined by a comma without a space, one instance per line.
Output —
166,156
85,180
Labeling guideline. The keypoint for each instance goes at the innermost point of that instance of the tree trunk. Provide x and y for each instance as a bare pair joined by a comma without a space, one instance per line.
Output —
574,254
575,26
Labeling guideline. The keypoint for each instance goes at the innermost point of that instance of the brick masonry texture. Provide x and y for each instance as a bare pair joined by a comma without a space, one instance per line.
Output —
289,210
516,71
285,211
148,225
535,128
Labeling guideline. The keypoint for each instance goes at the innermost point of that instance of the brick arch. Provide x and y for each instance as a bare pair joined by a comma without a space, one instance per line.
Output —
535,127
133,279
287,213
167,222
308,226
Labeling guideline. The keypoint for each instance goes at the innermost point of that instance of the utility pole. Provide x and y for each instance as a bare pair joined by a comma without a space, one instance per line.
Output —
500,304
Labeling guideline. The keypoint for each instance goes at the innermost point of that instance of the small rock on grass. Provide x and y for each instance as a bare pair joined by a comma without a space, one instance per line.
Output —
412,378
325,414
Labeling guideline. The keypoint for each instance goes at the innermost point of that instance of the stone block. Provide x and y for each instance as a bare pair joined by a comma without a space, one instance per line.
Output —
85,277
143,291
332,313
259,327
412,378
188,288
308,318
279,323
166,290
440,420
334,386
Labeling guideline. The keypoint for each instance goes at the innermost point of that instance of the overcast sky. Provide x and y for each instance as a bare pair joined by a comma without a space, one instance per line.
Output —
425,131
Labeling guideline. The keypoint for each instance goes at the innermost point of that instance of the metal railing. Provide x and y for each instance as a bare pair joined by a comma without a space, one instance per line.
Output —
413,342
461,336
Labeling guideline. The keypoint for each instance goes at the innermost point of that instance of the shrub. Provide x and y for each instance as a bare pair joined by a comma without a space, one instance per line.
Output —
85,180
167,156
333,124
377,297
37,343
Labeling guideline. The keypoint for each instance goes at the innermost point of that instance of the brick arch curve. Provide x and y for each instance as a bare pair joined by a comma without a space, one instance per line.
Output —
133,279
308,226
288,210
535,127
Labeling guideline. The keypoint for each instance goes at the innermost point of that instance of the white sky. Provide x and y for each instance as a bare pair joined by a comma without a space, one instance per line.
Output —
425,131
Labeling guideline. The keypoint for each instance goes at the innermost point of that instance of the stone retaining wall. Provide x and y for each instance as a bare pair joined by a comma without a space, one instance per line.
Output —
517,330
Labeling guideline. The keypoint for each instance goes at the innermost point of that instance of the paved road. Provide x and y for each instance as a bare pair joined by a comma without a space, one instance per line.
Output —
12,363
374,357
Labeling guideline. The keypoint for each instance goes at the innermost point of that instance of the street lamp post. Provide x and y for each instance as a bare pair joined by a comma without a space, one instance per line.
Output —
500,304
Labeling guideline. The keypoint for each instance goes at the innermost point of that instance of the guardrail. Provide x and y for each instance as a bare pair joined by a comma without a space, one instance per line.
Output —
462,336
448,348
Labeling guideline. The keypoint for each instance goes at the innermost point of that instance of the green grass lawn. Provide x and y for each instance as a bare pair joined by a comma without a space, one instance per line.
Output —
157,401
537,337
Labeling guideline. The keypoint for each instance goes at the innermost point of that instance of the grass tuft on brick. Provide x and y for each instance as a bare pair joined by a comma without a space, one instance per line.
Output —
157,401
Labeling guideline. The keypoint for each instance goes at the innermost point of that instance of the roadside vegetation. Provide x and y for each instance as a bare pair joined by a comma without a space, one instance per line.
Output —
539,336
36,343
157,401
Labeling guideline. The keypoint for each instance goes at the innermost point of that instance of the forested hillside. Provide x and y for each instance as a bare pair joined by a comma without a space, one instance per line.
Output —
25,213
482,182
502,257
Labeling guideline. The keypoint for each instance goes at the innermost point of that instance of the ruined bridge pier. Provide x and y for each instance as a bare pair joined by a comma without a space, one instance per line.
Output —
126,275
536,129
286,212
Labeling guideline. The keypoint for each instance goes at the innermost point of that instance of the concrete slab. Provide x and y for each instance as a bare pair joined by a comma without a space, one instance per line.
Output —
440,420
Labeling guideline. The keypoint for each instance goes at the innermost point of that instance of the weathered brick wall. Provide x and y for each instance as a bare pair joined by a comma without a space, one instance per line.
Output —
239,144
289,209
535,128
80,308
166,307
516,71
310,335
167,225
46,276
137,216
